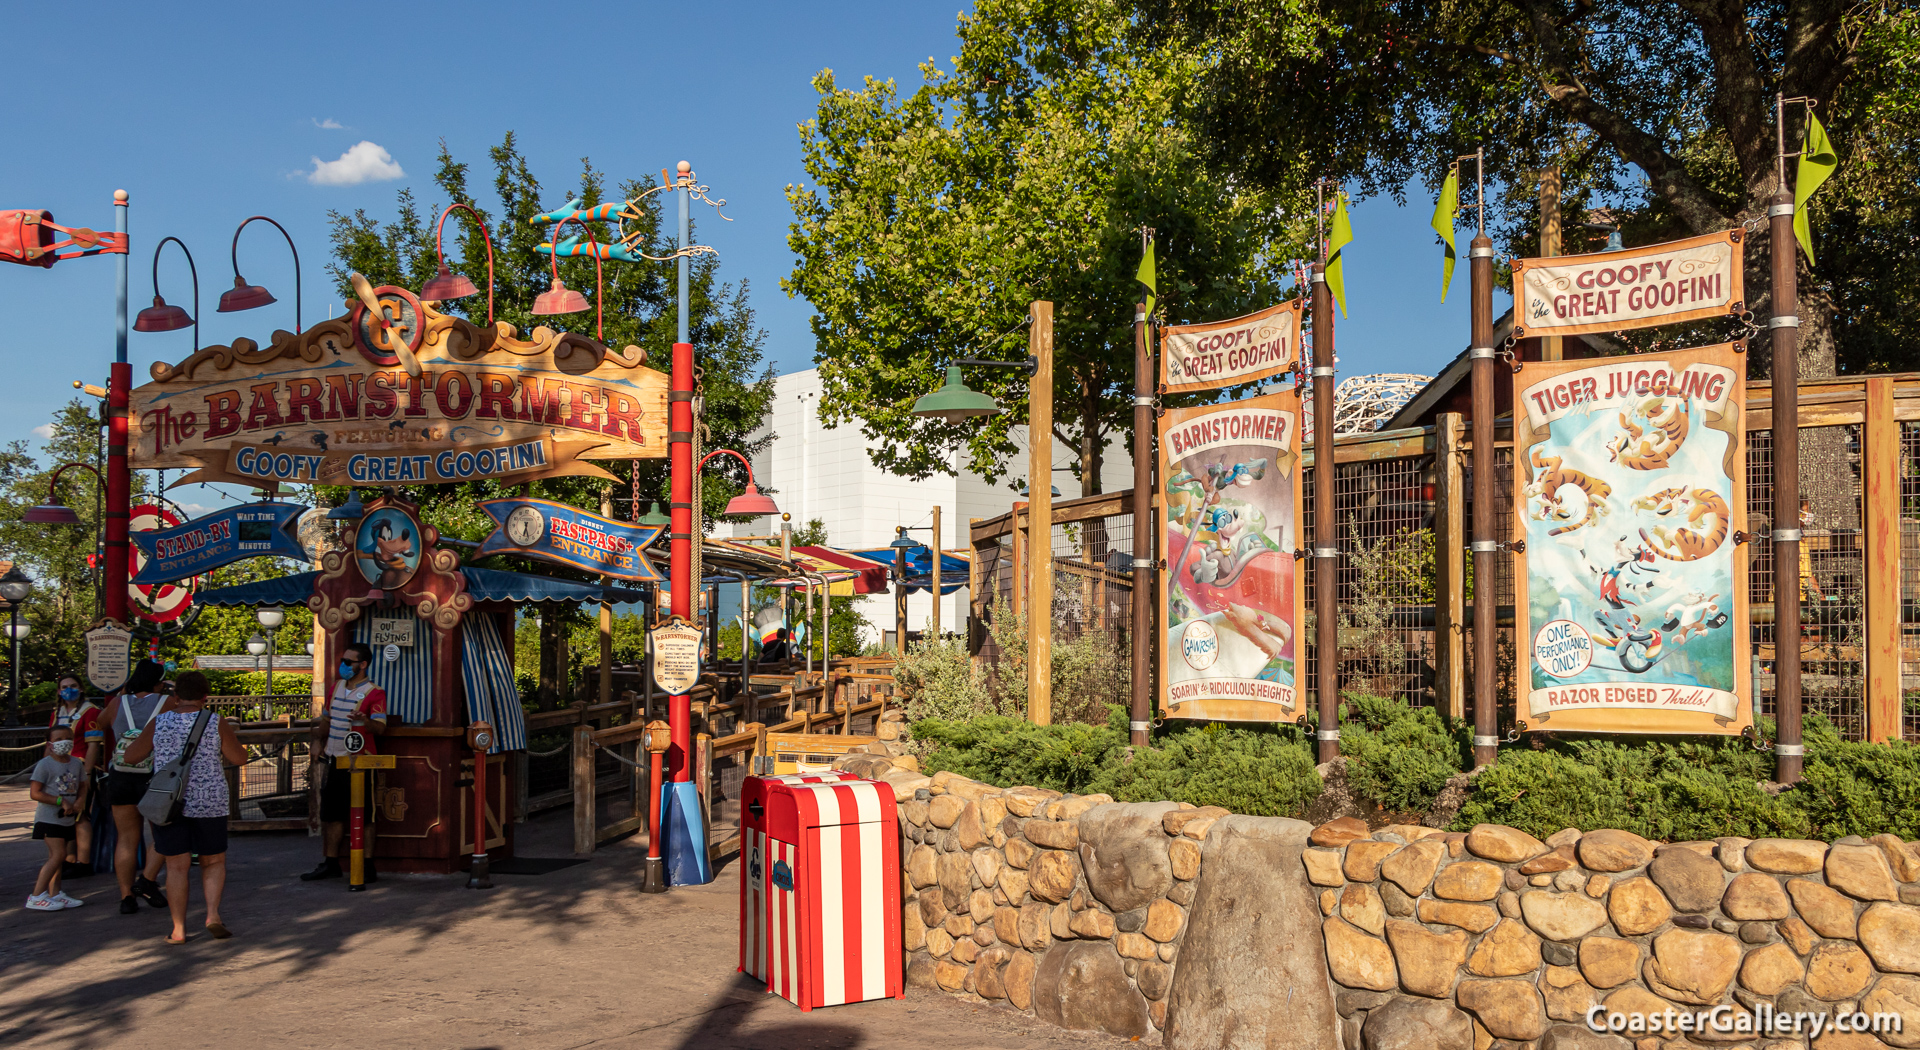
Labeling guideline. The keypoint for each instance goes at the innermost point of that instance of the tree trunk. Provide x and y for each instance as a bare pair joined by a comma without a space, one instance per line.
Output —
552,658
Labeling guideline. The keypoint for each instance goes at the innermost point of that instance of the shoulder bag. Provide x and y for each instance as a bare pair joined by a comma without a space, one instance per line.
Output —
167,793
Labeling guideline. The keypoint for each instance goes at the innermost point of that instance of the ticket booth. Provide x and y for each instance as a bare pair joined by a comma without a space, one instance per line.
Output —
442,640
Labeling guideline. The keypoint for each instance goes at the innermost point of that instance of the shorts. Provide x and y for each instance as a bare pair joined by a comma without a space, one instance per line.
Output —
127,789
206,836
46,829
336,796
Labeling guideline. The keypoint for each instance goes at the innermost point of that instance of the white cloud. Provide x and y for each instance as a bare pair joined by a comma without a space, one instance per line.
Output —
44,430
328,124
195,510
365,162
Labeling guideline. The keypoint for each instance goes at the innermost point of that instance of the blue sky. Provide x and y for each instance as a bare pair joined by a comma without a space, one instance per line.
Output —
209,113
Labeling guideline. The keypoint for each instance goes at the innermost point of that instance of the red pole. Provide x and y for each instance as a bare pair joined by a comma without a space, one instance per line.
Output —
480,818
113,575
680,544
653,816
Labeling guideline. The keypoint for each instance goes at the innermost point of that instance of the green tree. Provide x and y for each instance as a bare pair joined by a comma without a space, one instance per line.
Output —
1026,172
1667,110
638,300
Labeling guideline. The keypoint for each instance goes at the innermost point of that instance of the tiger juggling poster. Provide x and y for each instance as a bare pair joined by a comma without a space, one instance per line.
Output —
1631,591
1232,587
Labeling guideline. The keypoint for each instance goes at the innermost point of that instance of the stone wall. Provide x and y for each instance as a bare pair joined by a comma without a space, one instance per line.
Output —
1072,908
1492,938
1214,930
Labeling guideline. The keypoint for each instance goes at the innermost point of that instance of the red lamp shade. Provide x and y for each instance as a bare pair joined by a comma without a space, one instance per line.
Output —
752,503
244,296
558,299
52,514
161,317
447,285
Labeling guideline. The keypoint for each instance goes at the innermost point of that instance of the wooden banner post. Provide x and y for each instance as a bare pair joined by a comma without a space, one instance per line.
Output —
1040,518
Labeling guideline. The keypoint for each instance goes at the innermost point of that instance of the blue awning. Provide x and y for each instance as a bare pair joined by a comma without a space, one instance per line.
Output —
485,585
954,568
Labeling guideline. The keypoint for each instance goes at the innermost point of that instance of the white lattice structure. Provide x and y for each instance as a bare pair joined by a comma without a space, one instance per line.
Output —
1363,403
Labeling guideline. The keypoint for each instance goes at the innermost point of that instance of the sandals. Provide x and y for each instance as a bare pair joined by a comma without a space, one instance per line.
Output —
219,931
169,939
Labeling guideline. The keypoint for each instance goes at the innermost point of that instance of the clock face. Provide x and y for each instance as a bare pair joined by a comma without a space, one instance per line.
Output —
525,526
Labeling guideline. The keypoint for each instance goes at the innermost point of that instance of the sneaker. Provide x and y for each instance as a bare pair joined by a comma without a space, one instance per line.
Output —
41,902
148,890
129,905
65,901
328,869
367,874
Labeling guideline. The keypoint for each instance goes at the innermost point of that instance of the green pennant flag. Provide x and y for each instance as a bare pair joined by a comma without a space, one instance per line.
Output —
1338,237
1817,161
1145,276
1444,210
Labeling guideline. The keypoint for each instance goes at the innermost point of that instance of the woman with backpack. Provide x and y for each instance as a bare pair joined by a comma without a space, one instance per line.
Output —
202,741
126,716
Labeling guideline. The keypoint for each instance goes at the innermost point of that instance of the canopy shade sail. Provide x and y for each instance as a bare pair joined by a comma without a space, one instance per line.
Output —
955,566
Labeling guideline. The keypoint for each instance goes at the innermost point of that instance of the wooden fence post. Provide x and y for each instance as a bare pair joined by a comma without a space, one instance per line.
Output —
703,757
583,800
1040,517
1880,469
1450,545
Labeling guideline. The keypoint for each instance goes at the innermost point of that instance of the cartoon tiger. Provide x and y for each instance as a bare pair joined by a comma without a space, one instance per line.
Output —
1649,447
1707,521
1549,478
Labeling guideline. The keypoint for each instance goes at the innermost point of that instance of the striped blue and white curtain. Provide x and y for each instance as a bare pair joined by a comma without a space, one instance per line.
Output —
408,681
492,694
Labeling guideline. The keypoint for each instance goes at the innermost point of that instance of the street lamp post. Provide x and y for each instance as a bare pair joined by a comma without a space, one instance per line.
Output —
270,617
15,586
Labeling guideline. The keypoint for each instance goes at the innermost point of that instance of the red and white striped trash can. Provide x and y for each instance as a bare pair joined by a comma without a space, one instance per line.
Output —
820,888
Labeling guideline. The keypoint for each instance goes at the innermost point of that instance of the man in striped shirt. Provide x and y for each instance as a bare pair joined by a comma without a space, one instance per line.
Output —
358,706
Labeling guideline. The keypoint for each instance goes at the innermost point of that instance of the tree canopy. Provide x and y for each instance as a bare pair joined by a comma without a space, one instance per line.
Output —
638,300
931,221
1666,110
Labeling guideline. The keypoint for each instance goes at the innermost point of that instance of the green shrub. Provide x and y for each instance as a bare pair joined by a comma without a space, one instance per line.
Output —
1261,770
1399,757
1855,788
1264,771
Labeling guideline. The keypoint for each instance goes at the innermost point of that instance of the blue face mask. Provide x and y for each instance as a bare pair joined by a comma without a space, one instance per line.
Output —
346,669
69,693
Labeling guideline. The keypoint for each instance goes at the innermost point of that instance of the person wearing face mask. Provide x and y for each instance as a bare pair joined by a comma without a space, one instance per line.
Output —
73,710
60,791
357,706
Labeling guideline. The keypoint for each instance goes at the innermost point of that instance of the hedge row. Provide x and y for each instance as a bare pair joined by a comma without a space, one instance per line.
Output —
1400,759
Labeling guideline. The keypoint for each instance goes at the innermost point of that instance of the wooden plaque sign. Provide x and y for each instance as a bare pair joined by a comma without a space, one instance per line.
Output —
1635,288
336,405
109,655
676,656
1630,494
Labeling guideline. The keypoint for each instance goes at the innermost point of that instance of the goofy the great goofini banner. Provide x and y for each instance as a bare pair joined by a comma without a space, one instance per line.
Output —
1631,589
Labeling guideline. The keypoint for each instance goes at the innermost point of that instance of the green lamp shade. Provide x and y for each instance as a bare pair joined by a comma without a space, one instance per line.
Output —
954,402
654,517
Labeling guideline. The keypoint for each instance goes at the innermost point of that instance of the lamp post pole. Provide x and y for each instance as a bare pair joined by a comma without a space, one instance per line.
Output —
685,832
13,664
119,478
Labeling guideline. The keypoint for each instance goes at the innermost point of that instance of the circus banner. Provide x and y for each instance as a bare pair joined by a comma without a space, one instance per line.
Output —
1224,353
1631,586
1232,589
1634,288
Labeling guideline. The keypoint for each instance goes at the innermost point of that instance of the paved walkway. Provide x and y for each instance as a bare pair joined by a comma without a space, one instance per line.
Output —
574,958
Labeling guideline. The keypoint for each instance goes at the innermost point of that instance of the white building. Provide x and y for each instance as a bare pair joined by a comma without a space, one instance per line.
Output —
817,472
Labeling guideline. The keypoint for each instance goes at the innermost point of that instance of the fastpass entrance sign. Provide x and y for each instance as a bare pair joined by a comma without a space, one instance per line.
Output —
1631,593
1636,288
338,404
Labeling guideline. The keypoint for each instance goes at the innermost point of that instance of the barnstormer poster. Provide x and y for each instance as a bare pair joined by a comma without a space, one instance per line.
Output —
1233,595
1632,585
